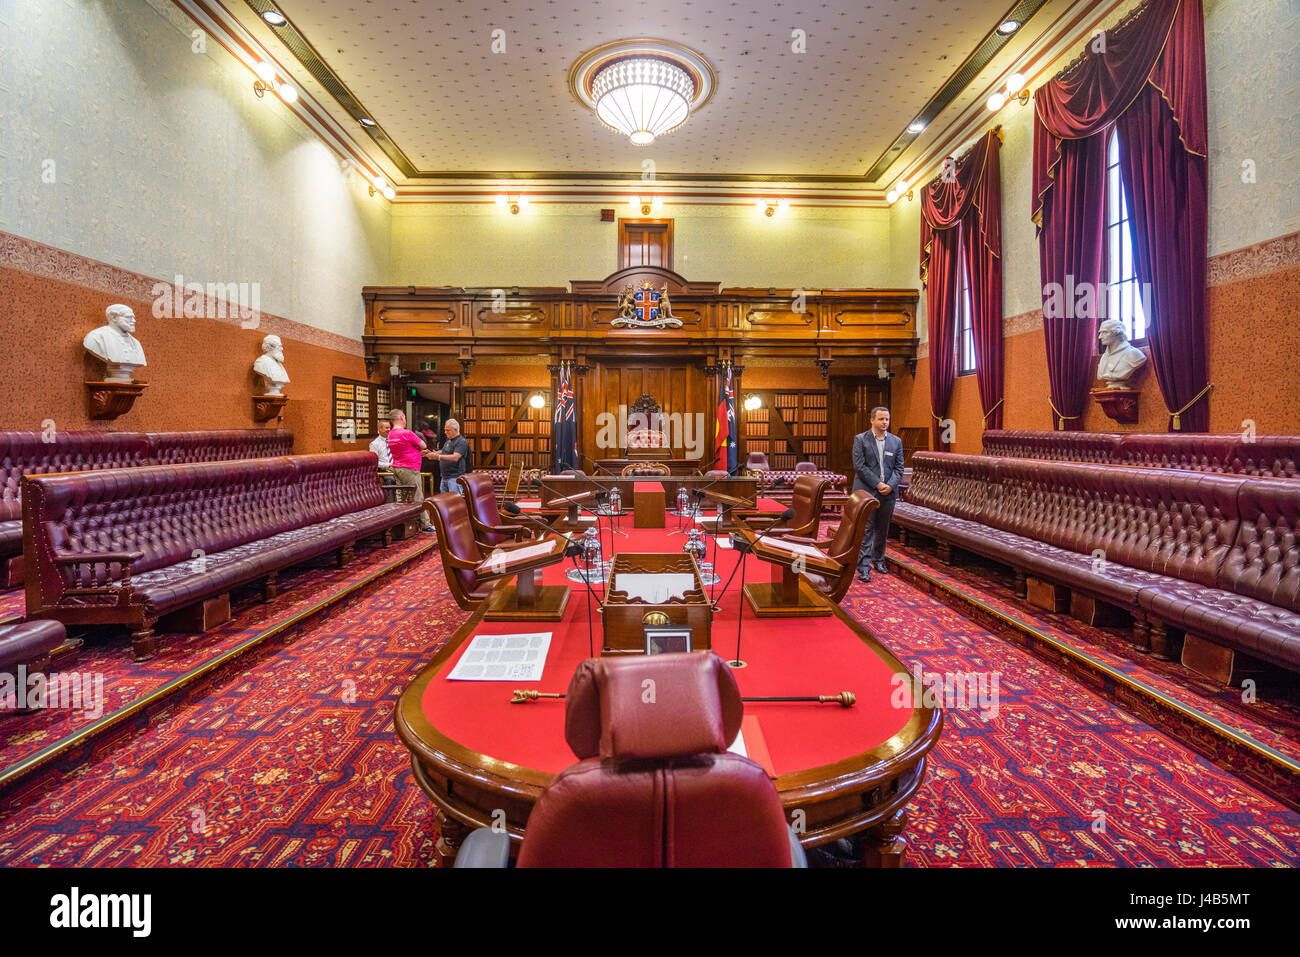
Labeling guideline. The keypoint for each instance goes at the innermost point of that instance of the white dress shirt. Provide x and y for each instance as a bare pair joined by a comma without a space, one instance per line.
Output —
380,447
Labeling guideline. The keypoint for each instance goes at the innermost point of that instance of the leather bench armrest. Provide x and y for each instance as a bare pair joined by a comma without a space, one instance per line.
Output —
100,558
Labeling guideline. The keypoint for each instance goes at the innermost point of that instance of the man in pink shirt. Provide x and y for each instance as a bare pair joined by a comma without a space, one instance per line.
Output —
407,449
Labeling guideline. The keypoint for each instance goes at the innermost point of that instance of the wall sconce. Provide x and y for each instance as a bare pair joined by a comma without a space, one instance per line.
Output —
516,204
537,401
1015,90
380,185
902,189
752,402
647,204
770,207
266,82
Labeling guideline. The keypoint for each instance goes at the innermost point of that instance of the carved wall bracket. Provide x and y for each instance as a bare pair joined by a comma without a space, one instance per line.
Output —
268,407
108,400
1120,404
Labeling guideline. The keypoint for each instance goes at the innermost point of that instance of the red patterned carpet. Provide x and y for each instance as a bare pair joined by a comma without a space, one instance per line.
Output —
1273,718
295,762
107,652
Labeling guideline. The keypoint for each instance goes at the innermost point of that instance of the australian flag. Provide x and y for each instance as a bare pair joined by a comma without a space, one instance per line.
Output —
566,422
725,450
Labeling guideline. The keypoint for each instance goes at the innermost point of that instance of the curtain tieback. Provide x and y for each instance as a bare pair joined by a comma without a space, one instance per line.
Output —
1209,387
992,410
1060,416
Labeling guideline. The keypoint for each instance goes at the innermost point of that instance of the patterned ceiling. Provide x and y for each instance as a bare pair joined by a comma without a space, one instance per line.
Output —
426,71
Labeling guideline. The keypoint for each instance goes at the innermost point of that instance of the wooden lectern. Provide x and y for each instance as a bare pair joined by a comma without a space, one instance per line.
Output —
524,599
788,595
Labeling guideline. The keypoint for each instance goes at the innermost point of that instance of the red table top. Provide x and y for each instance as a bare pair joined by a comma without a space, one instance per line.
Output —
786,656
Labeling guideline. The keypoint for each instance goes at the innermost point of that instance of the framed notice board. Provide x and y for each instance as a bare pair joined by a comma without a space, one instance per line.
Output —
358,407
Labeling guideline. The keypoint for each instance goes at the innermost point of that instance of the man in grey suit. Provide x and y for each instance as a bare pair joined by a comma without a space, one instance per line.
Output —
878,468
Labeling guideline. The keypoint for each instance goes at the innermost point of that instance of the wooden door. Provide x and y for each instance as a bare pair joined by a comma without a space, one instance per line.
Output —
676,385
852,399
645,242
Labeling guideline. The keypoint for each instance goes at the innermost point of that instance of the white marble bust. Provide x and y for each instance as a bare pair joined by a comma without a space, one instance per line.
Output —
270,365
113,343
1120,364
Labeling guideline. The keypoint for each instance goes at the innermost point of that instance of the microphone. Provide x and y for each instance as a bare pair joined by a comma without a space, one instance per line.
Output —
743,544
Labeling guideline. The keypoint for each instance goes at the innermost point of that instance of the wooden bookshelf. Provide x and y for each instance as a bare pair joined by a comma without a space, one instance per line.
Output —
502,428
791,427
358,407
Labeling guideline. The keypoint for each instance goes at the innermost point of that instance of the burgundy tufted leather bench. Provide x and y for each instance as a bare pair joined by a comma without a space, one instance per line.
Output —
1261,456
27,644
27,453
131,545
1213,555
225,445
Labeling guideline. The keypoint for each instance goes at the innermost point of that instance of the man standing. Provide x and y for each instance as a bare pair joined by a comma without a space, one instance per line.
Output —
454,457
380,444
878,468
406,449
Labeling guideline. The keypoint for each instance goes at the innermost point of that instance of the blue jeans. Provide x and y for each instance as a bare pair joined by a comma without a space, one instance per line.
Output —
449,485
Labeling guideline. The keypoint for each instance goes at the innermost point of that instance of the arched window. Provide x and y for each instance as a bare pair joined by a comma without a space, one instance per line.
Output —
1124,297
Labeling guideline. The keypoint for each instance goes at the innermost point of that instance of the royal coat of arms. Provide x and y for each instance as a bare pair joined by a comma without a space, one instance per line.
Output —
646,308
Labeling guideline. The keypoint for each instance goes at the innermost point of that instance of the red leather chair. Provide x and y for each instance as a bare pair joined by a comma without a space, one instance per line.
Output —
460,552
485,518
805,466
654,785
843,546
756,460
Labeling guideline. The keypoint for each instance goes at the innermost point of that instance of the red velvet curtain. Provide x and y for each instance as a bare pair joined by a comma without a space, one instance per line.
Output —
965,209
1149,82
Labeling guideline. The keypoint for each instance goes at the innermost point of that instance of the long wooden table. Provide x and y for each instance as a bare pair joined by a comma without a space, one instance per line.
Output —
841,773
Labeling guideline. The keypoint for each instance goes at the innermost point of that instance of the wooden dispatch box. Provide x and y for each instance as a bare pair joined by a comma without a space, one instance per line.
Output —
624,616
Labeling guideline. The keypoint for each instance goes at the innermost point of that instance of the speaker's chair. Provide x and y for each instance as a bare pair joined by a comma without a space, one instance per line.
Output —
654,785
484,516
461,553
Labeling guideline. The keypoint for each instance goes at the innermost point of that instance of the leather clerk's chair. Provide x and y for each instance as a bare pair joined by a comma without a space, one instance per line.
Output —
843,546
481,501
654,785
460,552
806,500
757,460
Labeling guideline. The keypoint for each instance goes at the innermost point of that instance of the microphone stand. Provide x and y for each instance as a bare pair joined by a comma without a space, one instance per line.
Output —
572,549
744,546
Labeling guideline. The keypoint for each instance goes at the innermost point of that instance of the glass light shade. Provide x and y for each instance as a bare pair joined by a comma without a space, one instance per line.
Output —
643,97
537,401
287,93
892,195
274,17
389,192
996,102
1014,82
265,71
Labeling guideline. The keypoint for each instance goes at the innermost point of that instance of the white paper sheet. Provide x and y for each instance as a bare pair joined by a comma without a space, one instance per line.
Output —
795,548
504,558
503,658
654,588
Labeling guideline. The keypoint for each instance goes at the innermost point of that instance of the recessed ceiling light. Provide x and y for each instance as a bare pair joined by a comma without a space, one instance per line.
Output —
916,126
367,121
1008,27
275,18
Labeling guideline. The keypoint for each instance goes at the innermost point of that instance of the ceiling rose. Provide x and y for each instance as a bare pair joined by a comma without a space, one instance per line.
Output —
642,88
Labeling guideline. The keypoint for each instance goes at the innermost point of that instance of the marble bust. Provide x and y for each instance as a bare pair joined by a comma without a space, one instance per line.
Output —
1120,364
270,365
113,343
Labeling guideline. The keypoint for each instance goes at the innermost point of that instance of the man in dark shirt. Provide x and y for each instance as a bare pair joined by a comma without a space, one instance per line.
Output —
454,457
